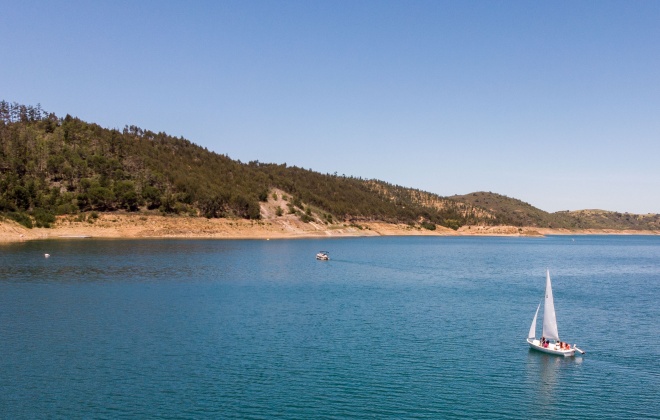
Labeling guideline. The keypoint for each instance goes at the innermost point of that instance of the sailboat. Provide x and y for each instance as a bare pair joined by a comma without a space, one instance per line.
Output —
549,342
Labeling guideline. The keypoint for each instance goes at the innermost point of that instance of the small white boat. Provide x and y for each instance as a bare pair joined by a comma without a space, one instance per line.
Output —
323,256
549,342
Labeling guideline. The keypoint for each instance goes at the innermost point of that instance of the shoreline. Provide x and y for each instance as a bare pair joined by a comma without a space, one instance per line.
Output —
140,226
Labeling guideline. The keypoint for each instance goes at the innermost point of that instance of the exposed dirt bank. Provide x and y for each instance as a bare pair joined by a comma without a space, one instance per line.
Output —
126,225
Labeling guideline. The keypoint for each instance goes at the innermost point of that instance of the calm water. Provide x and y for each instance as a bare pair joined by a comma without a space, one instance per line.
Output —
389,328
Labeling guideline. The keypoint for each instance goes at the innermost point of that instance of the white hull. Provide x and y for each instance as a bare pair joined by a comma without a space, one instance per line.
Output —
551,349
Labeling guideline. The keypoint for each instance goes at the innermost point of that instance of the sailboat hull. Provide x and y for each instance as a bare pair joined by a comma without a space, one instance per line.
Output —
551,349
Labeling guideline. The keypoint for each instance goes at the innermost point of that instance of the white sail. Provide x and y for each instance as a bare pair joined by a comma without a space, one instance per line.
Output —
532,329
549,318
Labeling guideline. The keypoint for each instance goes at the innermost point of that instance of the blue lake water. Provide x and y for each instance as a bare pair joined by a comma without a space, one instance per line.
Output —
388,328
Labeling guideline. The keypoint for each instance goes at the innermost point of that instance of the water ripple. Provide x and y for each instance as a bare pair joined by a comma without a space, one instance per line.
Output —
390,328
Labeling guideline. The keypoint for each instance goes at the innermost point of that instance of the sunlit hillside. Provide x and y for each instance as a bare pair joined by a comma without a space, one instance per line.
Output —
52,165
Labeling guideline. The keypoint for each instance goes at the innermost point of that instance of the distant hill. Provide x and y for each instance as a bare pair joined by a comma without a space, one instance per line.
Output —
600,219
52,166
511,211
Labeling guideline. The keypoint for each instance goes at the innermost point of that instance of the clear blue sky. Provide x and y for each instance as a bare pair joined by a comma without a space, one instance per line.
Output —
554,103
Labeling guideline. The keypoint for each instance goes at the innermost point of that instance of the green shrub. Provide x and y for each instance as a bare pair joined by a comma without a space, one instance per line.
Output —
152,196
43,218
428,225
305,218
66,208
126,196
452,224
20,218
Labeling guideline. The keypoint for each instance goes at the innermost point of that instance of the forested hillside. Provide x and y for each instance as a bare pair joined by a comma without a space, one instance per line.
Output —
54,166
51,166
515,212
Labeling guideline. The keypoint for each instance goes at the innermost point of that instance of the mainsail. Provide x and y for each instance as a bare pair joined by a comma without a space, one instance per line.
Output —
549,318
532,329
